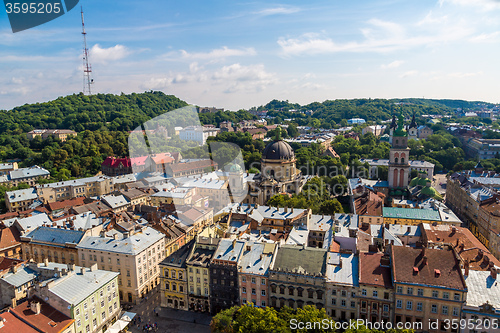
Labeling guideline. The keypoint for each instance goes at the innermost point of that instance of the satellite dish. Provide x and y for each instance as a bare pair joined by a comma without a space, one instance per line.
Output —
46,299
69,307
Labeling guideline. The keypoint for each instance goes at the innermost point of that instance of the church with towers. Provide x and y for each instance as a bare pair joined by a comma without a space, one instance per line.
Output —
399,164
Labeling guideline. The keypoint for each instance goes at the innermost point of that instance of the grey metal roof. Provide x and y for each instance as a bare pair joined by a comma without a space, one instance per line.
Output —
226,250
133,244
34,171
55,235
22,195
178,258
22,276
32,222
481,288
115,201
255,261
346,273
76,288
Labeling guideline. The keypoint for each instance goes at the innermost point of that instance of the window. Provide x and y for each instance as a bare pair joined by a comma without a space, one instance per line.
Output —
78,323
375,293
399,290
409,305
263,292
263,281
253,280
386,307
253,291
93,310
409,291
456,297
420,292
87,328
399,304
85,306
386,295
419,306
363,292
103,315
94,322
342,303
128,272
456,312
244,279
77,311
117,261
263,303
434,308
444,310
446,295
334,301
334,292
244,290
353,304
344,293
435,294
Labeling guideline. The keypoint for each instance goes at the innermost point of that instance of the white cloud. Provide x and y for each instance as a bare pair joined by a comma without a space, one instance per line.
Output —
380,36
482,5
462,75
219,54
394,64
278,10
105,55
409,73
485,37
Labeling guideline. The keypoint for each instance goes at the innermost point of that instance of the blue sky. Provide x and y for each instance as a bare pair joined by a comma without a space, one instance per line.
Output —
236,54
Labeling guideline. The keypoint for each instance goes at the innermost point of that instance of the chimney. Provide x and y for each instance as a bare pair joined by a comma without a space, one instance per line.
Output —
408,230
93,268
64,272
46,262
36,307
466,268
493,273
453,229
387,225
234,243
423,252
340,262
82,270
424,260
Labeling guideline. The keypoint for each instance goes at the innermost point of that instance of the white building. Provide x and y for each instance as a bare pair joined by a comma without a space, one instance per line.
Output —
197,133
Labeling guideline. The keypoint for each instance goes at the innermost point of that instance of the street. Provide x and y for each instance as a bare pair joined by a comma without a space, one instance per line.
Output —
168,320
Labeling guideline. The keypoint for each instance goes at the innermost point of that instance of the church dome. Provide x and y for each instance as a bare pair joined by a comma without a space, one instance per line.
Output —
278,150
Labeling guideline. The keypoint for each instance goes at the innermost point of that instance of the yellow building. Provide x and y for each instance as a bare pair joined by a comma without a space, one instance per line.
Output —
430,287
174,277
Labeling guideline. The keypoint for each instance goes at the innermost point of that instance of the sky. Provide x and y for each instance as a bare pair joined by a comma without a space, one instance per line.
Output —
239,54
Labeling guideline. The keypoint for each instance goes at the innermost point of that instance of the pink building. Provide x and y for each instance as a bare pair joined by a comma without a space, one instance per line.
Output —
253,273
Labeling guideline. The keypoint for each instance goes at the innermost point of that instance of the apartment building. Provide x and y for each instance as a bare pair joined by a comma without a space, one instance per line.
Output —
429,287
60,134
376,293
253,270
83,187
134,254
198,270
87,295
24,176
297,277
20,200
341,285
174,279
224,290
54,244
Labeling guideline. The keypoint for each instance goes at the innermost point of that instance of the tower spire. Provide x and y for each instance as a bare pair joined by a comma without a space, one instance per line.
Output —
87,69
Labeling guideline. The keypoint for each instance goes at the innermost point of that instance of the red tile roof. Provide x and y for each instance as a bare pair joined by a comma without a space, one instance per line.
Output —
12,324
403,259
113,162
163,158
66,203
141,160
9,237
370,203
371,272
7,263
49,320
465,243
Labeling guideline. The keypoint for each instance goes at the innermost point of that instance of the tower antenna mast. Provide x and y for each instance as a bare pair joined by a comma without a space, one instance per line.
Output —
87,69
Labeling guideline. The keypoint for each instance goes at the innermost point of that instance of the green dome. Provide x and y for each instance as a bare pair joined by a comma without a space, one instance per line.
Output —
431,192
419,181
232,167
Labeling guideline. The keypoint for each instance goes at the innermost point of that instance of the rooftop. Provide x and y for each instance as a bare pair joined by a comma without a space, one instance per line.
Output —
301,260
22,195
410,213
375,271
49,320
55,236
481,289
440,268
343,268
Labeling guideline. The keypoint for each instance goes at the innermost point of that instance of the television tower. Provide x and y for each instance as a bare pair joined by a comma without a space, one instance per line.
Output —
87,69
